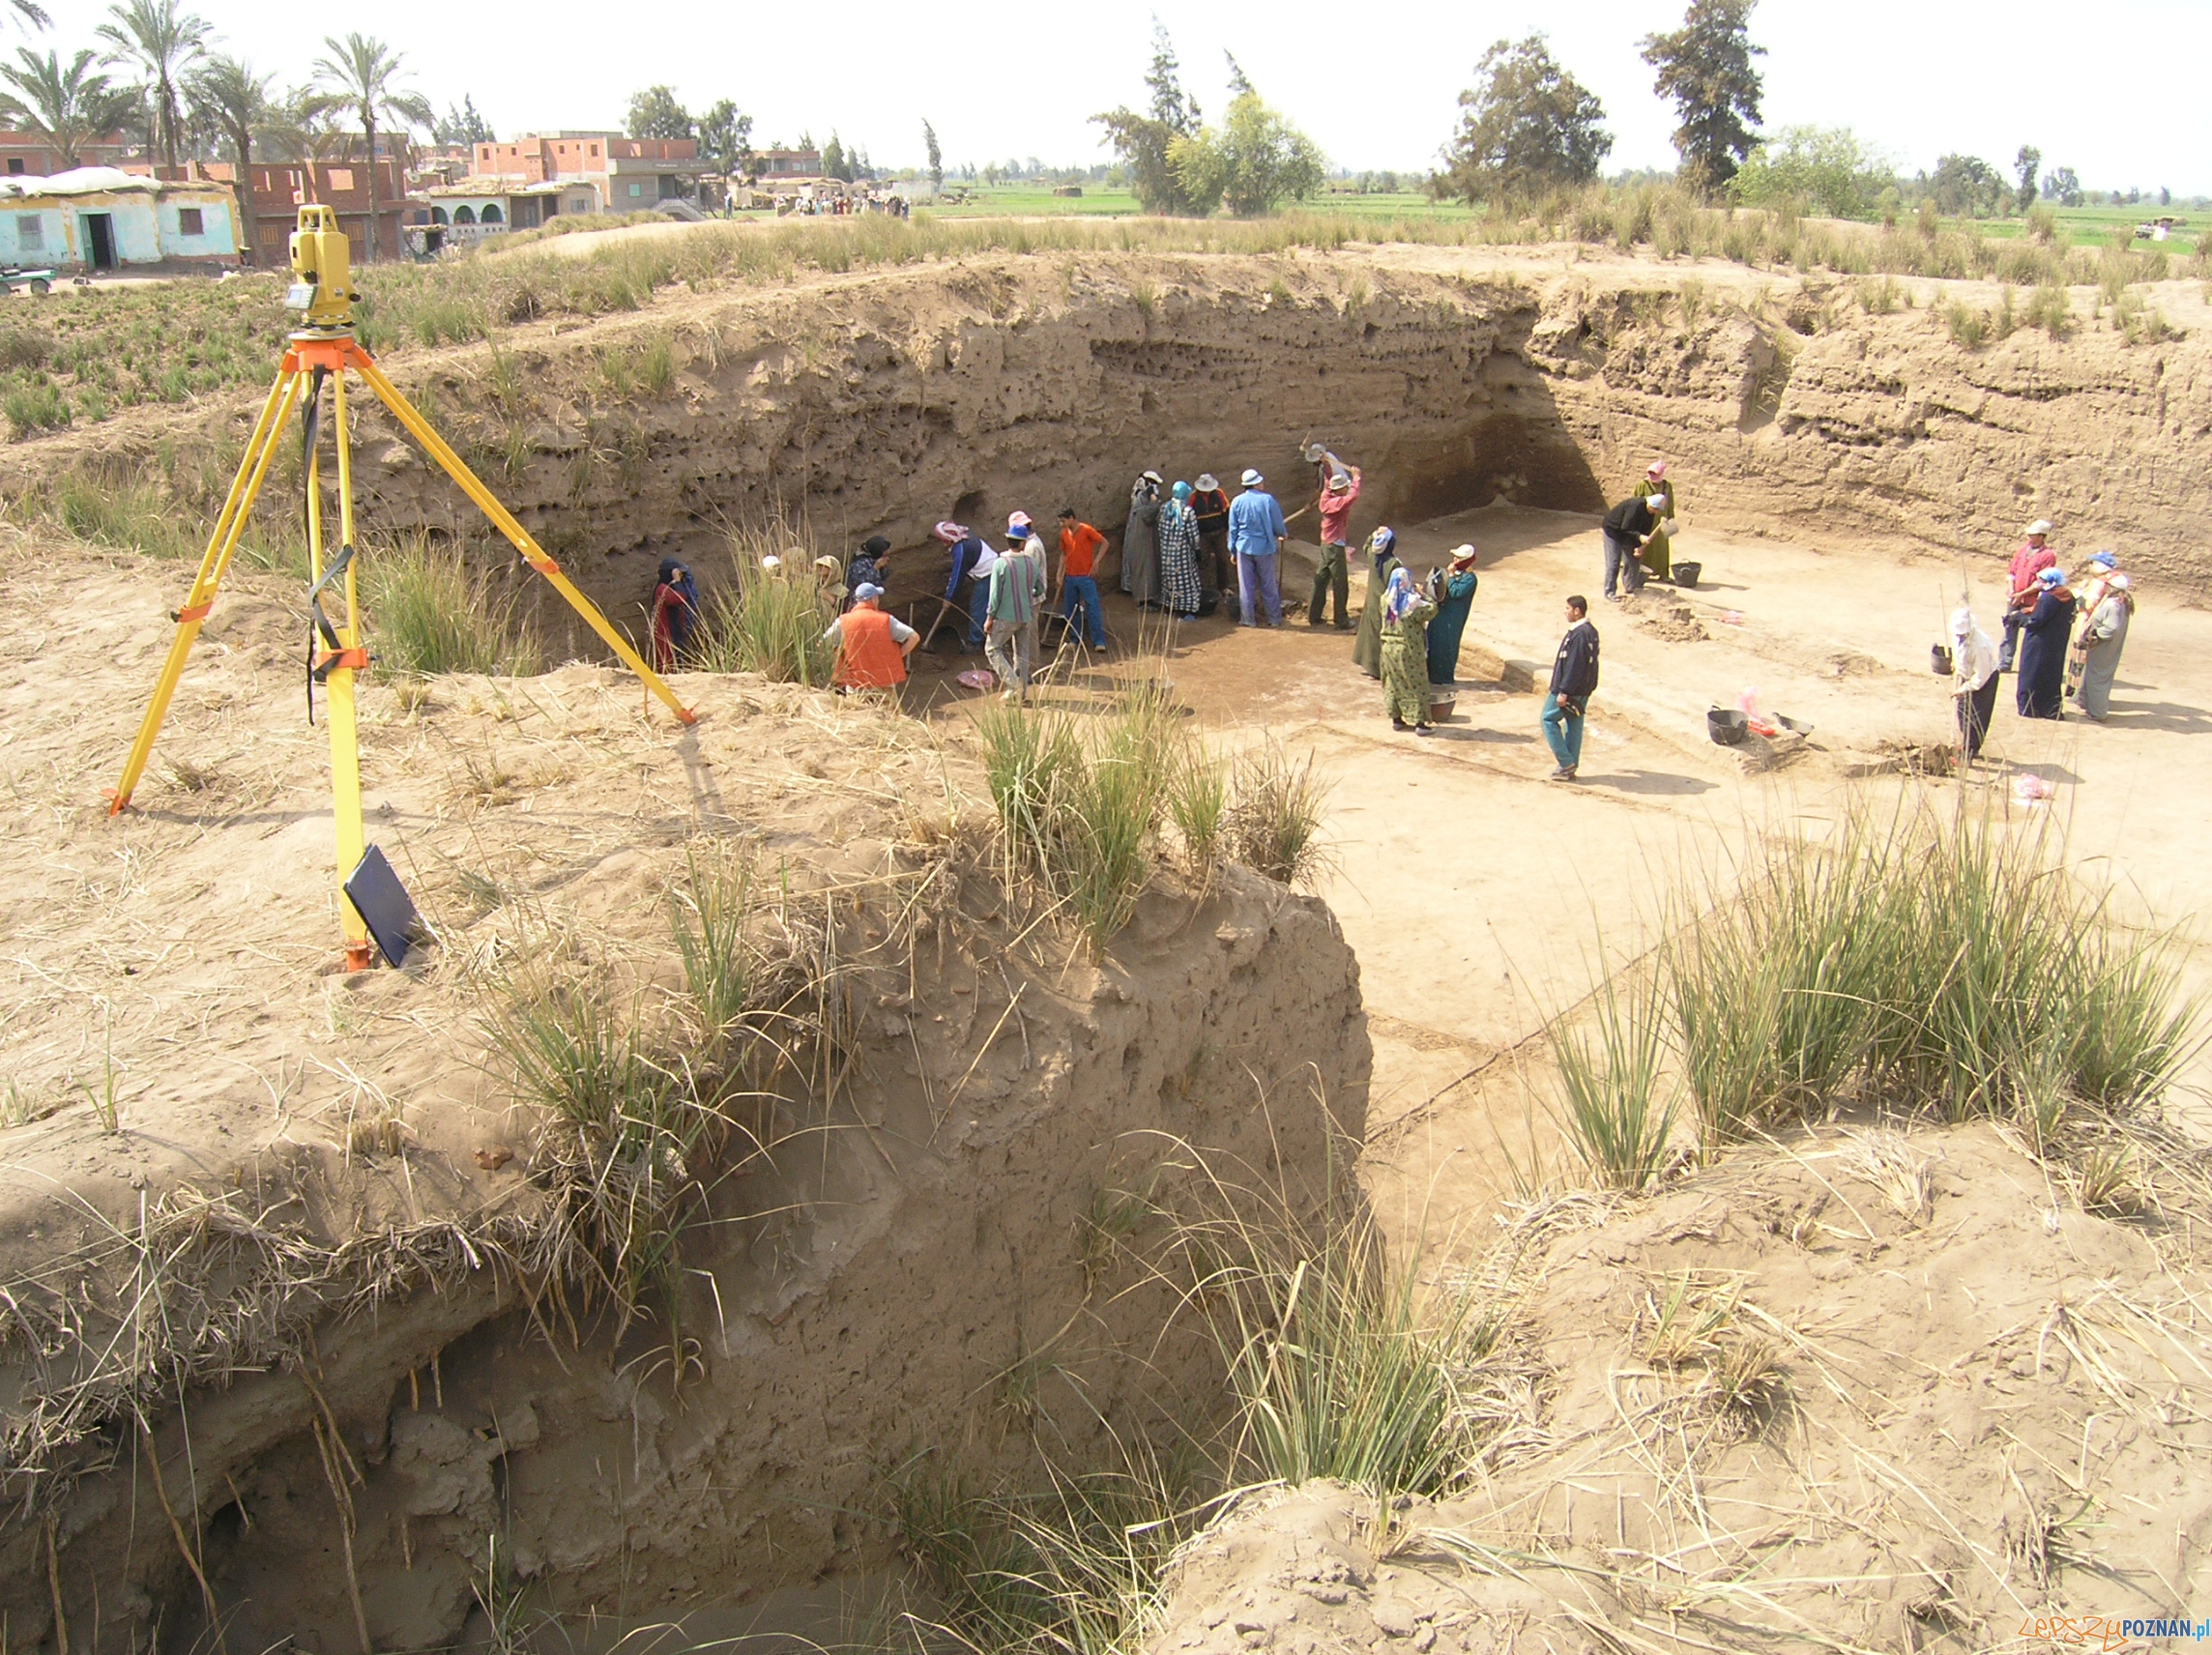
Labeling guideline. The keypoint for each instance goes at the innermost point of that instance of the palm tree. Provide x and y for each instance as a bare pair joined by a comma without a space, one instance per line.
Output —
62,107
359,73
228,96
161,43
29,14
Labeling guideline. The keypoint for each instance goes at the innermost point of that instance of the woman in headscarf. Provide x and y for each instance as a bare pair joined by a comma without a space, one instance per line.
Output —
1381,562
1177,535
1405,652
1452,589
2101,568
675,612
2106,635
1658,553
1140,542
2042,659
1973,681
869,566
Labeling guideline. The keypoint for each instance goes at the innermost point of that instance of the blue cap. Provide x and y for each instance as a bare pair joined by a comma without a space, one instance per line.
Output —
2050,577
867,589
1016,532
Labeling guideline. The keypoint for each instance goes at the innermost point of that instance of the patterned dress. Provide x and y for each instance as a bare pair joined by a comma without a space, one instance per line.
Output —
1179,558
1367,645
1406,663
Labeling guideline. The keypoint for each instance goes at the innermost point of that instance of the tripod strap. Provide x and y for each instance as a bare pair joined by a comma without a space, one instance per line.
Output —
334,654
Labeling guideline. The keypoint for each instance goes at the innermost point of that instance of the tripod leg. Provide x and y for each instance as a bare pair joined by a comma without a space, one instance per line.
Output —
345,737
504,521
252,468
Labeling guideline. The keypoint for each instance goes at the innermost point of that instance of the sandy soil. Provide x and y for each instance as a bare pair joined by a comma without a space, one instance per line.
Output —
1478,894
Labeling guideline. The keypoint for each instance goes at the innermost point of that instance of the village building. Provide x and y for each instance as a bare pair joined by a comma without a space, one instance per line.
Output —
26,155
771,165
630,175
97,218
276,190
470,209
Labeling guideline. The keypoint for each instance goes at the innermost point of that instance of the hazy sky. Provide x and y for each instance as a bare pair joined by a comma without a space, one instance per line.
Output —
2109,90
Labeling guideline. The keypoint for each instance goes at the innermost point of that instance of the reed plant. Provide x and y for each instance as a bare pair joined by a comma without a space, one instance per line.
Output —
1272,825
770,618
1958,965
428,614
1619,1098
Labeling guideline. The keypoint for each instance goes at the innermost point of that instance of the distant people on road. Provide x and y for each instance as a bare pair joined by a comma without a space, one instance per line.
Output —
1257,533
2044,630
1339,489
1382,561
1628,529
872,647
1210,503
1140,544
1079,547
1574,681
968,590
1451,588
1405,652
1179,538
675,612
2030,561
1973,682
870,566
1009,622
2106,633
1658,554
2103,566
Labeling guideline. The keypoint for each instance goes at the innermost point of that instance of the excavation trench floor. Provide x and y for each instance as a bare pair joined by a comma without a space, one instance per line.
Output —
1479,895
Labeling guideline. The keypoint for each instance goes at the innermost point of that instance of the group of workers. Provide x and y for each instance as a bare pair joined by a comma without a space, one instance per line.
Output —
2052,662
1184,544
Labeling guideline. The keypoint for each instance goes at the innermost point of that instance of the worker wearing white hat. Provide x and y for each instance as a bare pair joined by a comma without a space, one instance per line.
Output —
1257,535
2030,561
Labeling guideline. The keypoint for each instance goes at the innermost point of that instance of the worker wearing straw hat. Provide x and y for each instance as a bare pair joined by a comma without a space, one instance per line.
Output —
2030,561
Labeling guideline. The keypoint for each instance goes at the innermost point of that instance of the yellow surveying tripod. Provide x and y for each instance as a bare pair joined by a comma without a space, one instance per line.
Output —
323,347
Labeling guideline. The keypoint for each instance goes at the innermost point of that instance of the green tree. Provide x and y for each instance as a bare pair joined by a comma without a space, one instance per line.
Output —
1141,140
655,113
30,15
834,162
61,107
1528,126
360,74
2024,165
1966,187
1824,169
1706,69
936,158
1255,162
726,138
161,43
464,126
2063,186
228,97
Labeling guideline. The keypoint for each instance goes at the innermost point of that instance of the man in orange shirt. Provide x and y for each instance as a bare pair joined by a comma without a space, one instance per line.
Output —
1079,547
872,647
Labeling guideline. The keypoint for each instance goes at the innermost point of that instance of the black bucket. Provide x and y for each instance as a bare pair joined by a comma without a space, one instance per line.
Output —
1726,726
1940,659
1686,575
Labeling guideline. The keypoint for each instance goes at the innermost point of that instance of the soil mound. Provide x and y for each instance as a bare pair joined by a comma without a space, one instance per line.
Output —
1870,1390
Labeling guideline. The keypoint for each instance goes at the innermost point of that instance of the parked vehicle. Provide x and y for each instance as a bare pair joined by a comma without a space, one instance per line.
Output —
11,277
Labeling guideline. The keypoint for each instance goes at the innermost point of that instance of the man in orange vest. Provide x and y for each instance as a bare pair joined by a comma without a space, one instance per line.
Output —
872,647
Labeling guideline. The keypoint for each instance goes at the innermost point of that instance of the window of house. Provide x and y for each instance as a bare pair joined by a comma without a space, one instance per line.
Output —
637,189
190,223
15,164
30,231
464,215
595,152
342,178
491,213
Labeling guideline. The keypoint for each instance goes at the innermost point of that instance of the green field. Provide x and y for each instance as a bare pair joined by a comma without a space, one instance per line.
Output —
1021,201
2093,226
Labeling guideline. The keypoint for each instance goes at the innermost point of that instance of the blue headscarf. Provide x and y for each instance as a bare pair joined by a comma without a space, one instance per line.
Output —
1398,596
686,615
1380,545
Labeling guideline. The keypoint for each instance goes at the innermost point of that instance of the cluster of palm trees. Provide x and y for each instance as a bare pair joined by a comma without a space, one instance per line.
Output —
157,74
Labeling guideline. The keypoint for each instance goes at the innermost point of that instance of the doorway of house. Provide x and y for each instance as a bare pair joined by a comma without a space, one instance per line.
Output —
100,240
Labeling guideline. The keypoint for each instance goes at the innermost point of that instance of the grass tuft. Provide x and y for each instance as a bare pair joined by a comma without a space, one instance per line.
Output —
1273,823
428,614
768,620
1621,1102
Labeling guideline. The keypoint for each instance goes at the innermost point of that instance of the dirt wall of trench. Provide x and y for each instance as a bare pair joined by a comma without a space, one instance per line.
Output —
886,400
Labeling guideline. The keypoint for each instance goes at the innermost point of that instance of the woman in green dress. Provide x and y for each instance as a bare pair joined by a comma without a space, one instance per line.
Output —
1452,589
1382,563
1658,556
1405,652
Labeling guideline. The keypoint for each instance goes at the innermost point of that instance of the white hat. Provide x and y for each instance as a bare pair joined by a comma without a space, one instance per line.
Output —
772,562
1207,480
2041,526
1252,479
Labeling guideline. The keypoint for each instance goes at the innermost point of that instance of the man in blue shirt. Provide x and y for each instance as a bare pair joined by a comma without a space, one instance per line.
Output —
1256,535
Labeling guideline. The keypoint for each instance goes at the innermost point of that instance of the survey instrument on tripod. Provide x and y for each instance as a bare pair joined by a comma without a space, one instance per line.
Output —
323,350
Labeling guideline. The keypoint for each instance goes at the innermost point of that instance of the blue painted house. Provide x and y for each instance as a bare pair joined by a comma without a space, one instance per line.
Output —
97,218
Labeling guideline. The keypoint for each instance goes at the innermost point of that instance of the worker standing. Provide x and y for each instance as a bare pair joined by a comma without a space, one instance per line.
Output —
1339,488
1658,554
1257,533
1210,503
